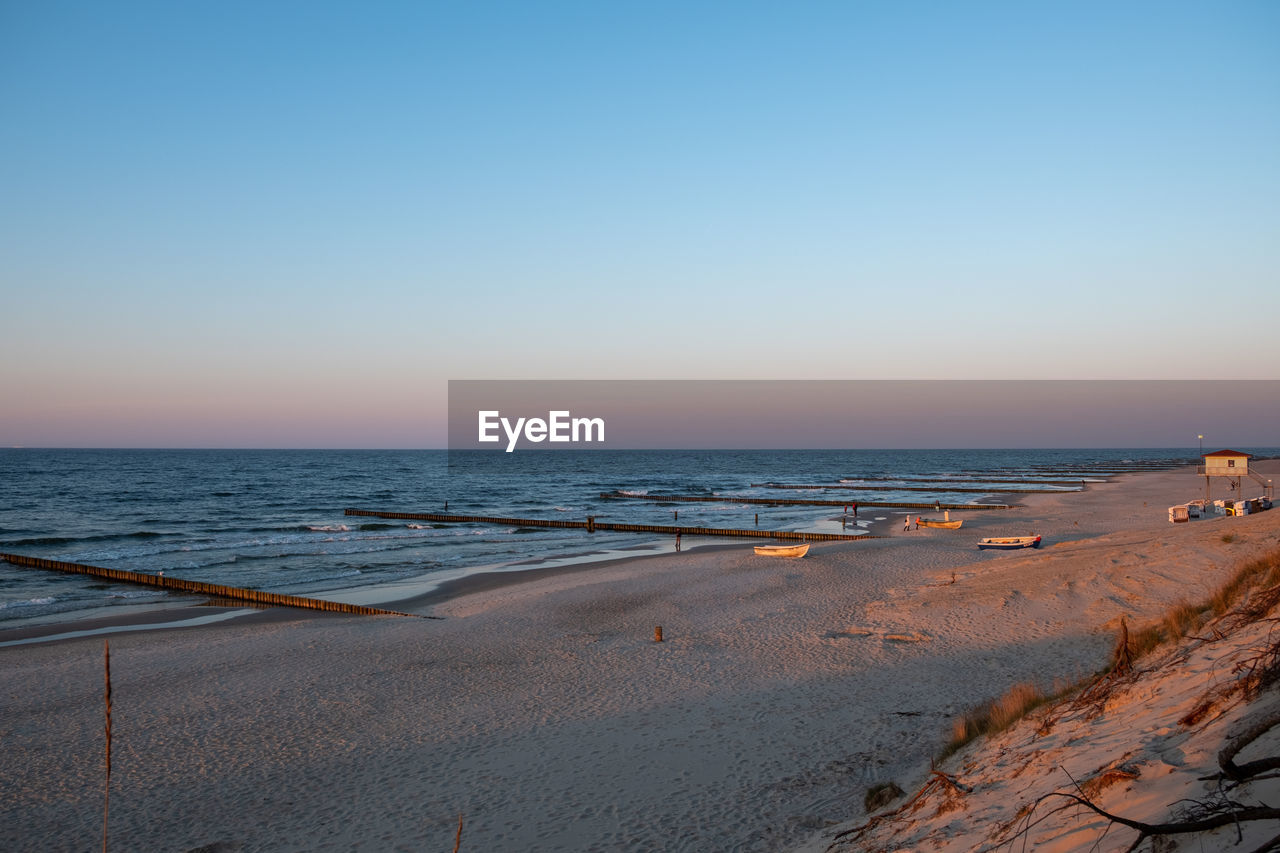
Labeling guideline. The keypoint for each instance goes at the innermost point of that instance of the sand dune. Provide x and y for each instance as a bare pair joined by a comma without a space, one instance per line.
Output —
1144,747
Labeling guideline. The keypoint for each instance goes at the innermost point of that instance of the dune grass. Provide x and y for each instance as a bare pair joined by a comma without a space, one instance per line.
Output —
1260,576
996,716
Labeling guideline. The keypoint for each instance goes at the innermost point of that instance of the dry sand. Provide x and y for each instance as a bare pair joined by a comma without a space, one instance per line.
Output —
544,713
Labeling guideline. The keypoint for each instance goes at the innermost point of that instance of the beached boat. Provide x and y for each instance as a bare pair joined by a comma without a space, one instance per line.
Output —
938,522
1009,543
783,550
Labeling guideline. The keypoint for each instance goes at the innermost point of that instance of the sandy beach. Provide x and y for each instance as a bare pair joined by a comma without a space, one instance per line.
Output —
541,709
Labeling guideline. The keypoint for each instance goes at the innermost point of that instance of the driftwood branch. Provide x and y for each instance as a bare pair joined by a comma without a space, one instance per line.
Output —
1226,757
1227,813
1249,813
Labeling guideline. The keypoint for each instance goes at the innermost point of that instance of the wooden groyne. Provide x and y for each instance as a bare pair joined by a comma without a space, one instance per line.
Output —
1015,480
735,499
986,491
591,525
198,587
1104,470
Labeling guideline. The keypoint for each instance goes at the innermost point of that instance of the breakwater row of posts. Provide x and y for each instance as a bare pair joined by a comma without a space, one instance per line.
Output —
941,481
591,525
735,499
252,596
984,491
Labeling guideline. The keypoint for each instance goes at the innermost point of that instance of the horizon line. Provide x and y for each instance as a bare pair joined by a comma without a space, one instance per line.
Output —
606,449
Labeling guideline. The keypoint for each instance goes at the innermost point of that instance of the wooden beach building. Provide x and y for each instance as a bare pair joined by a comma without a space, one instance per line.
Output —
1233,466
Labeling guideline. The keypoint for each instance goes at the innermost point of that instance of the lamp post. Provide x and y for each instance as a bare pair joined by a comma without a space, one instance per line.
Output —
1206,470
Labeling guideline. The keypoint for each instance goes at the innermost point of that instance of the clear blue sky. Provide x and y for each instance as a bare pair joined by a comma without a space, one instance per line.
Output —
288,224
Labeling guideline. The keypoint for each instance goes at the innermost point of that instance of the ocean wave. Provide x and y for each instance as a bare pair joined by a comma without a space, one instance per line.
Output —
634,493
46,540
329,528
209,564
135,593
84,540
30,602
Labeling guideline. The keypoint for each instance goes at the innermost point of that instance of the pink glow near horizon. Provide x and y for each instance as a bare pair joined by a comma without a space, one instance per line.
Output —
892,414
669,414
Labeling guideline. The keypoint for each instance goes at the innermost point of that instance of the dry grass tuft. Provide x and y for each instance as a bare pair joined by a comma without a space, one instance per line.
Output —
1264,572
1182,619
994,717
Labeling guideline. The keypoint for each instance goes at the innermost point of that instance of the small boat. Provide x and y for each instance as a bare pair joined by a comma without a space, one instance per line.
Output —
783,550
1009,543
938,522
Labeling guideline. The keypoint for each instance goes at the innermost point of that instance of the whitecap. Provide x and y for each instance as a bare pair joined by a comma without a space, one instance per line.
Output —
30,602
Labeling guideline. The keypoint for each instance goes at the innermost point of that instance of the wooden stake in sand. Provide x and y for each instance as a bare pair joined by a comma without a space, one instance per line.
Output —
457,839
106,791
1124,651
657,634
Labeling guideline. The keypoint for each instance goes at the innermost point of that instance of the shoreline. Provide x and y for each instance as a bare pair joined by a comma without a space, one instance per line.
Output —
543,710
155,615
162,615
438,588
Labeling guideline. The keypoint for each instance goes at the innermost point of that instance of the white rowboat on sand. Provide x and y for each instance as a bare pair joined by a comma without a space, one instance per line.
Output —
783,550
1009,543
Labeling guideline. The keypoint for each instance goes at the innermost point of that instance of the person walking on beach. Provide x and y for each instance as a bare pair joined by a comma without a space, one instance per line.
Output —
917,522
677,541
906,523
855,509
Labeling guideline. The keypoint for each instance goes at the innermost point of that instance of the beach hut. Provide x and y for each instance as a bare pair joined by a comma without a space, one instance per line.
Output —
1234,467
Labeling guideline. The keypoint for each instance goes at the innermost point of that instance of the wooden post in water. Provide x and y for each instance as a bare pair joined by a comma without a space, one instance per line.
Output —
591,524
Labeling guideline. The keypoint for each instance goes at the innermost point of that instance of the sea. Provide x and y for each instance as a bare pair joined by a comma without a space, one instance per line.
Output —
274,519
